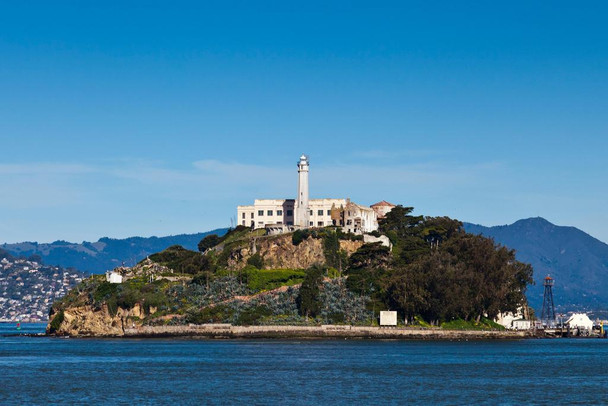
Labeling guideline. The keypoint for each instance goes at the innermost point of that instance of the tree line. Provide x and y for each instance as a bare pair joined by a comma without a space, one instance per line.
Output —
438,271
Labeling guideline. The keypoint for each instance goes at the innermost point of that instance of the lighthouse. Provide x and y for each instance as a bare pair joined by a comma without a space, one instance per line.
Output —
302,207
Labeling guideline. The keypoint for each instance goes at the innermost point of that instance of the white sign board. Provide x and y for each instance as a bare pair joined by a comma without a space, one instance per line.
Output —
388,318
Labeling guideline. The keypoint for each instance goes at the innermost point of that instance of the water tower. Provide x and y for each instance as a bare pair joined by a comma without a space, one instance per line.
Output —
548,314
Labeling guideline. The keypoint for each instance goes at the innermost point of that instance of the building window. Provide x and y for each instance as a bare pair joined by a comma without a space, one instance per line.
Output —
349,222
311,224
251,215
320,212
279,222
320,224
243,220
290,212
243,215
260,212
279,212
329,212
260,223
311,214
269,212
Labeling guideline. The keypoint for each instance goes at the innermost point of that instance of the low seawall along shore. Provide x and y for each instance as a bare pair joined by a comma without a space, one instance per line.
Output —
324,331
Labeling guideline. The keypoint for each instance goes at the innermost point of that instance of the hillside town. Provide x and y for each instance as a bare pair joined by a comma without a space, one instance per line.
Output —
28,288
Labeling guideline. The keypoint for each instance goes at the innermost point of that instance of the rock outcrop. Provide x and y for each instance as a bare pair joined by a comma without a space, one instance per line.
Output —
279,252
86,321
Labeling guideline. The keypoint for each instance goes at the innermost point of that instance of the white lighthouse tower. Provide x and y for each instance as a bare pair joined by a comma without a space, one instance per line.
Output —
302,206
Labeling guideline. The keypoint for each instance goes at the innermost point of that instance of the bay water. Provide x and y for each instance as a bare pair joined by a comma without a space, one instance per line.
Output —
44,370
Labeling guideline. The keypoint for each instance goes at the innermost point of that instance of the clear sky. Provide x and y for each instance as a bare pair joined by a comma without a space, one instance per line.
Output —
121,119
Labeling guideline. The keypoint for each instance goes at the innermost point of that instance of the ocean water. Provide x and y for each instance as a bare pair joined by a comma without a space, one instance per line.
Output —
42,370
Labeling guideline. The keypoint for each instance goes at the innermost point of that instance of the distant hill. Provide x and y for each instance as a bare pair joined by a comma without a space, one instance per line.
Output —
577,261
105,254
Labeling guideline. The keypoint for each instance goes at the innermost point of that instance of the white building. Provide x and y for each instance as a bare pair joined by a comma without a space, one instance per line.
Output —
280,215
113,277
580,321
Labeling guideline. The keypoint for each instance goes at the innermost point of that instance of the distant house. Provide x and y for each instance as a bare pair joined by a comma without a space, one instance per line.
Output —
113,277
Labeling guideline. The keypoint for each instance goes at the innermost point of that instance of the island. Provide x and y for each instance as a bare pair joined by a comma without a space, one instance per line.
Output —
313,282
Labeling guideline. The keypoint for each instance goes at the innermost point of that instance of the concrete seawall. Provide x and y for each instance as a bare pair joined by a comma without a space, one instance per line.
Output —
326,331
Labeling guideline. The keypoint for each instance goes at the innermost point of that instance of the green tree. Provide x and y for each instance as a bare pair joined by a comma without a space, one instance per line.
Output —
256,260
208,241
308,301
367,271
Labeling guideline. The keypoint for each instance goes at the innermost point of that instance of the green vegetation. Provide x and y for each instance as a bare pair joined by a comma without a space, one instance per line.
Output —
300,235
256,261
209,241
437,271
435,275
309,303
181,260
211,314
483,324
254,315
267,279
56,323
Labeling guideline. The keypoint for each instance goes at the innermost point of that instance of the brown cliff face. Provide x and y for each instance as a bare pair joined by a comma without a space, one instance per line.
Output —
278,252
86,321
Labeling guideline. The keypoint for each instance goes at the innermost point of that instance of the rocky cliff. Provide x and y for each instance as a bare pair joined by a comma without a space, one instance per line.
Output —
88,321
279,252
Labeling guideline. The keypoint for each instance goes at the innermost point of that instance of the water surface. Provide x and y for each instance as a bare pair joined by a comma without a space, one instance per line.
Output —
42,370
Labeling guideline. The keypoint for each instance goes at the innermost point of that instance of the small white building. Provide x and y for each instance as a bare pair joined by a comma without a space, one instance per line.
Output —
113,277
521,324
508,319
580,321
388,318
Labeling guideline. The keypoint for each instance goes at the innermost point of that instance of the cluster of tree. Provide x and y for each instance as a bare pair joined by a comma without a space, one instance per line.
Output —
181,260
438,271
435,270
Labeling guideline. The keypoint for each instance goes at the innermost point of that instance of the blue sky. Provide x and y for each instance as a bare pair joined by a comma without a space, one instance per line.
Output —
120,120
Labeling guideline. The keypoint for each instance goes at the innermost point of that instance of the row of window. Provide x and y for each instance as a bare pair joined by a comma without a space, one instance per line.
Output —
261,223
270,213
289,213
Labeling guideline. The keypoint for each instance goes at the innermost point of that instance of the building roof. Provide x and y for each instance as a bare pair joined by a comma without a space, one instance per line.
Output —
383,203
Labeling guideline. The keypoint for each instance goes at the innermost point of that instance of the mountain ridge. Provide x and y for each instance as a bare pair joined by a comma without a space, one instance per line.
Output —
105,253
576,260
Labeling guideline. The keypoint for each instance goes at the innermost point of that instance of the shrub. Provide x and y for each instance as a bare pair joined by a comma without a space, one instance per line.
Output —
256,260
267,279
182,260
298,236
253,315
56,323
214,314
103,291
